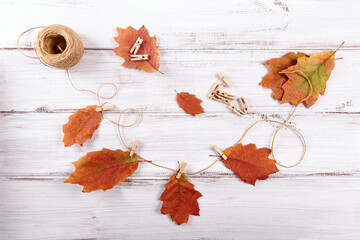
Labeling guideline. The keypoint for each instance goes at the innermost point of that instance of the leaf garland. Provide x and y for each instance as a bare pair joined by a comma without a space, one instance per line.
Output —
106,168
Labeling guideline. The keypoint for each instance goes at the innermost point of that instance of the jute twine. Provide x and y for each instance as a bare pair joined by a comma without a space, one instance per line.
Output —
59,47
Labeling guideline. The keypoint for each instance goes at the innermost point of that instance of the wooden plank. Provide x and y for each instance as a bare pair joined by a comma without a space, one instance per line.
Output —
31,143
30,86
308,208
253,24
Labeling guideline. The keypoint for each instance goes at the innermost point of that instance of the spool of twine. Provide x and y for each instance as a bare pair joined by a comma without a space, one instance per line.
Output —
59,46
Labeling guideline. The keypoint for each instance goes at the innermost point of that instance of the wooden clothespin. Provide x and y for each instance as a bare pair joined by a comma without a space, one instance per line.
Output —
213,90
236,110
139,57
222,155
132,152
243,104
225,95
104,108
181,170
221,99
136,46
225,80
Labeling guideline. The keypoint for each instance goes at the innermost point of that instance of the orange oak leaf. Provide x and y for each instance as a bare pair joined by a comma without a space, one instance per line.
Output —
274,80
103,169
126,39
317,67
81,126
180,199
189,103
250,163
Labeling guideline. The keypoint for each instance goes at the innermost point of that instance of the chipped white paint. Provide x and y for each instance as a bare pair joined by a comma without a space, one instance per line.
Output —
317,200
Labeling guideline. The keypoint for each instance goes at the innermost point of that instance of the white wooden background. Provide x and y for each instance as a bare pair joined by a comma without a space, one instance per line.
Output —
319,199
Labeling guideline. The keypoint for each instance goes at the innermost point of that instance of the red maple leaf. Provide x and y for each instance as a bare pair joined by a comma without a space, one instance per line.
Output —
274,80
126,39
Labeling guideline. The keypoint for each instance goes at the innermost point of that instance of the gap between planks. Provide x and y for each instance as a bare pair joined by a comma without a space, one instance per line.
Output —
204,175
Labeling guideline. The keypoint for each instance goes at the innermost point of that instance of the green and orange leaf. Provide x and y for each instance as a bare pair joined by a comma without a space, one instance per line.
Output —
126,39
103,169
250,163
180,199
317,67
189,103
274,80
81,126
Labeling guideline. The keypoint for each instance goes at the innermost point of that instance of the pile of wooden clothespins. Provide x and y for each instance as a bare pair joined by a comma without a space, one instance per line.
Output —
135,49
218,95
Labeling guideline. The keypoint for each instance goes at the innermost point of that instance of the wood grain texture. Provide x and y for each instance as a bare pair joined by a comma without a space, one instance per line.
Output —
31,86
302,208
249,24
197,39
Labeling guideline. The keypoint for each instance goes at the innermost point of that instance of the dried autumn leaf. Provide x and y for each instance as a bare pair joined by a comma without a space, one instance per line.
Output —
250,163
189,103
103,169
81,126
317,67
180,199
274,80
126,39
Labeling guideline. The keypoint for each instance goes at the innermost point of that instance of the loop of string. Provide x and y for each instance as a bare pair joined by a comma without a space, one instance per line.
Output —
18,47
118,123
284,124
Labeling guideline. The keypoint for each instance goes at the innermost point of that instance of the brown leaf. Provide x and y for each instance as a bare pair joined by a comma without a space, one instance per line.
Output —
180,199
250,163
103,169
81,126
274,80
189,103
126,39
317,67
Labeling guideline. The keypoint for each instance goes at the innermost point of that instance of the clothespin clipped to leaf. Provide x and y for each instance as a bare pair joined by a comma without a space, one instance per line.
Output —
181,170
104,108
136,46
139,57
132,152
221,153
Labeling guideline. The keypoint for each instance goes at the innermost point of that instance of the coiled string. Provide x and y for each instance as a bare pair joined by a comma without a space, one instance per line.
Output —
69,55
